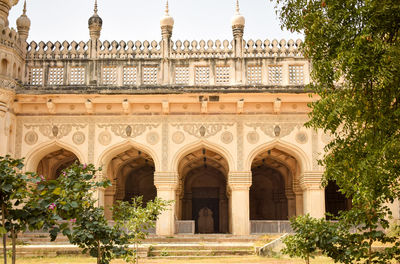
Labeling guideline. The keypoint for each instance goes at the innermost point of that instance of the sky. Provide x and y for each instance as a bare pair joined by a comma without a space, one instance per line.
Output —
53,20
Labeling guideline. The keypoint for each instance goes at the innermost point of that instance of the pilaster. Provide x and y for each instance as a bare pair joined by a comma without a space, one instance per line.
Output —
239,185
313,194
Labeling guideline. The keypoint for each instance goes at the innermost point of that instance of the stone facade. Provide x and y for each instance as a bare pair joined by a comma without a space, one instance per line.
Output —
218,126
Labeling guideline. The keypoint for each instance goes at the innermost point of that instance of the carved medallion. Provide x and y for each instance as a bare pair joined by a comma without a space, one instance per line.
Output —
227,137
253,137
104,138
152,138
301,137
178,137
78,138
31,138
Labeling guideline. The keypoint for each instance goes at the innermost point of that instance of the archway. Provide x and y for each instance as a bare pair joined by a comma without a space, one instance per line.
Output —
132,174
4,66
202,192
51,165
275,193
335,201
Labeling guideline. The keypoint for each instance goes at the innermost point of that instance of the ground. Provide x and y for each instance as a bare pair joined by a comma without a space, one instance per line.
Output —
230,260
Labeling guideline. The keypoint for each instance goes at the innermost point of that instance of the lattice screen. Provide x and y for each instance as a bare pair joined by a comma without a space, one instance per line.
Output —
223,74
56,76
77,76
150,75
202,75
275,74
36,76
130,75
296,74
110,75
182,75
254,74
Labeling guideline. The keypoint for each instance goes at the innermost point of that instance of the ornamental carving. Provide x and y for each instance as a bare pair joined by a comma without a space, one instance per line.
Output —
253,137
55,131
129,130
202,130
178,137
227,137
301,137
78,138
152,138
275,130
104,138
31,138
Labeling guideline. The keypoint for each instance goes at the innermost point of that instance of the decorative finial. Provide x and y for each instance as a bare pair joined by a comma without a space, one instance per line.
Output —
95,7
167,9
237,7
24,11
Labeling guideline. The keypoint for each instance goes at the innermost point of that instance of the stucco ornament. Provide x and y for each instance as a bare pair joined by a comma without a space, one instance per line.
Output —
129,130
253,137
227,137
301,137
178,137
202,130
31,137
152,138
275,130
104,138
78,138
56,131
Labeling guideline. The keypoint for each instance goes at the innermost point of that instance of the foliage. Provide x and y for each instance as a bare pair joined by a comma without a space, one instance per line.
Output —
137,218
354,46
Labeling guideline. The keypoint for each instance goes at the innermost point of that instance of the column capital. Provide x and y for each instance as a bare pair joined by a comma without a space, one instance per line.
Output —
311,180
239,180
166,180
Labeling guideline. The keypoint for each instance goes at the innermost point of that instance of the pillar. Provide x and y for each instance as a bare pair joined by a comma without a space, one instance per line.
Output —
239,185
313,194
166,184
6,116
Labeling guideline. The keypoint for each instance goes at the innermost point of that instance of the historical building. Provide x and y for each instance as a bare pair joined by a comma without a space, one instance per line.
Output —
217,126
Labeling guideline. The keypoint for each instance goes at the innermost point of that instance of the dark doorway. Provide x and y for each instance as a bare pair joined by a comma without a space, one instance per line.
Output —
206,198
335,201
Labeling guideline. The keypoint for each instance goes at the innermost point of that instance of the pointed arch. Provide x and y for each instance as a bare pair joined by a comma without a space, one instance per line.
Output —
108,154
185,150
295,151
35,155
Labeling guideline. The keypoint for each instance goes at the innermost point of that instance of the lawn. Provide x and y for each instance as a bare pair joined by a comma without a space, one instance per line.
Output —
250,259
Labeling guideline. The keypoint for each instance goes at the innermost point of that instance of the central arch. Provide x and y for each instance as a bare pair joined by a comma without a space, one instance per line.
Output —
202,192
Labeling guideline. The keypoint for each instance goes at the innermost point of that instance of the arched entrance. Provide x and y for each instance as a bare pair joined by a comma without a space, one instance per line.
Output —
274,186
202,192
132,174
51,165
335,201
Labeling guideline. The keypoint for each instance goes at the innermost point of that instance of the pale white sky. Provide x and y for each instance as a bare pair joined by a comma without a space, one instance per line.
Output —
139,19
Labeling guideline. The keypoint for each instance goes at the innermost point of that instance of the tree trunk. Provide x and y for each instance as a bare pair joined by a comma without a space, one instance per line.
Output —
308,259
98,252
14,243
3,220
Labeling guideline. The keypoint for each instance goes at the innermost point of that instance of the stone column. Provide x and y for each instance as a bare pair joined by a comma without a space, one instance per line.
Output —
239,185
313,194
166,184
6,97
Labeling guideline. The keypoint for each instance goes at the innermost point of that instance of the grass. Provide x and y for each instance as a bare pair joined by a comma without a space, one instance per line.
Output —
230,260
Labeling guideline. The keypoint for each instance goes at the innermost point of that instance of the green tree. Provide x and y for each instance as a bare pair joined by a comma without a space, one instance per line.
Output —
137,218
354,46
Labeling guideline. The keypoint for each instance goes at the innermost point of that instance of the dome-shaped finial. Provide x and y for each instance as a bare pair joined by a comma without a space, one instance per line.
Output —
238,19
95,23
23,24
167,20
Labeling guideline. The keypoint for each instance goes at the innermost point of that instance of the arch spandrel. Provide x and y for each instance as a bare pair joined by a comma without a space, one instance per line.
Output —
35,155
108,154
192,147
291,149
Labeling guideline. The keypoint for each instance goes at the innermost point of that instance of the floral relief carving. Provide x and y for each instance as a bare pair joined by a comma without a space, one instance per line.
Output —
275,130
56,131
128,130
202,130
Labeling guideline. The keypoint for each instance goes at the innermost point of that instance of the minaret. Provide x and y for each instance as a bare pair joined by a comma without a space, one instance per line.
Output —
5,6
95,24
238,22
23,25
167,25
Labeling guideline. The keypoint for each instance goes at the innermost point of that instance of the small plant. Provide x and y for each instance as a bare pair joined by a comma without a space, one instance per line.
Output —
164,253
